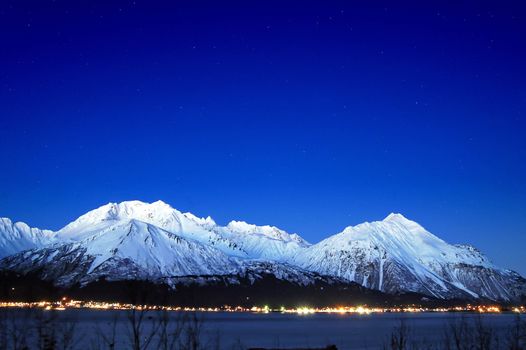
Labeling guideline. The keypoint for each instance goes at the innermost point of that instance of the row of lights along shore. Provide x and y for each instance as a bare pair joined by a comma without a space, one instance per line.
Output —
302,310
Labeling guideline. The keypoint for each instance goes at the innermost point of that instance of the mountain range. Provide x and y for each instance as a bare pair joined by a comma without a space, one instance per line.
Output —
154,242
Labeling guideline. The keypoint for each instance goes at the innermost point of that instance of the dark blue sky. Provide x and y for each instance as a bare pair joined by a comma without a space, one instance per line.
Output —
310,116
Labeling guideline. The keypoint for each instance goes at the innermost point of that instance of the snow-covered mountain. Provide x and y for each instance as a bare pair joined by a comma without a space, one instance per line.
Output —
237,239
398,255
123,249
137,240
153,241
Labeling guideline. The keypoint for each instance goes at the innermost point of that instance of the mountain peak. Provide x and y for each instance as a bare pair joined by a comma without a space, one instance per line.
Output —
113,212
395,217
400,220
138,203
160,203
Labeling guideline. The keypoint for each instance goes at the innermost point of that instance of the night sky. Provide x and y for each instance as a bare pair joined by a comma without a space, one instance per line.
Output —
310,116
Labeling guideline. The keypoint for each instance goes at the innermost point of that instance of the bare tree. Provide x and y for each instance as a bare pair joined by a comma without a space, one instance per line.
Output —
108,340
140,335
45,325
66,334
399,337
15,329
485,337
516,336
170,330
456,334
192,332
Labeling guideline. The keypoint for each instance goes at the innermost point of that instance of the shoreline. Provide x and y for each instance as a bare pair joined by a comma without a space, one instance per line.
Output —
66,304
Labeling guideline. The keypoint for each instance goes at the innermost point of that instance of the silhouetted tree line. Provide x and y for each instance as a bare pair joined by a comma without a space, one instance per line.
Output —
461,334
23,329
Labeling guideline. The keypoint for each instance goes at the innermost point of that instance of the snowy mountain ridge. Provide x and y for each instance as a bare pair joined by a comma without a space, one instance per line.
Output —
136,240
18,236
